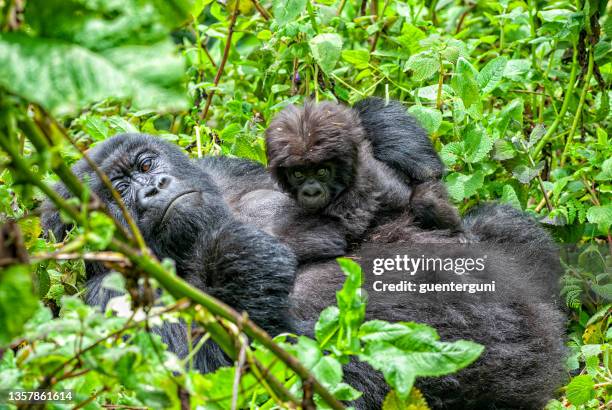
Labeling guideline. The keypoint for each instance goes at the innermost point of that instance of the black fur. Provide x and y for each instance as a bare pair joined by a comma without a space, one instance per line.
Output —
212,250
522,327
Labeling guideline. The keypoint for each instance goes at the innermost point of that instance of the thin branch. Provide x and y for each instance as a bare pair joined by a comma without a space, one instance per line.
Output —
264,13
226,50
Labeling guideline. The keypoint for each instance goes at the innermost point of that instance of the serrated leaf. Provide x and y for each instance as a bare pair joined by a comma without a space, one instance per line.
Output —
326,50
423,66
464,83
503,150
581,389
429,118
18,303
285,11
491,74
477,144
600,215
450,152
525,174
536,134
415,401
606,171
327,325
462,186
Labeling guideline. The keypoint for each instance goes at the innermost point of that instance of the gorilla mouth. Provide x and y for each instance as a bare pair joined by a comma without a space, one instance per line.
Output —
175,200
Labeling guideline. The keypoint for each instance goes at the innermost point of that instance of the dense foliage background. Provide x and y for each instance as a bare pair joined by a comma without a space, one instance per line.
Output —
515,95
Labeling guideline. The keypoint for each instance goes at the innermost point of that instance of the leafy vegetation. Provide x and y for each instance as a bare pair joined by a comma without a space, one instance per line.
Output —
515,95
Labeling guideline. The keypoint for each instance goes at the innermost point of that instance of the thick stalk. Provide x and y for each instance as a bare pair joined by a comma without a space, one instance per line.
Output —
583,93
568,95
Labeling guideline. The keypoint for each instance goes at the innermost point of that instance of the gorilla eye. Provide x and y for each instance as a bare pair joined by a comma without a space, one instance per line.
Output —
298,175
145,165
322,172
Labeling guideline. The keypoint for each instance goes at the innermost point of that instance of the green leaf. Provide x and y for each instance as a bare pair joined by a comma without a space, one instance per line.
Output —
462,186
491,74
359,58
517,70
97,129
286,11
351,305
464,82
326,50
536,134
600,215
429,118
65,78
525,173
423,66
509,196
503,150
477,144
581,389
415,401
606,171
18,303
327,325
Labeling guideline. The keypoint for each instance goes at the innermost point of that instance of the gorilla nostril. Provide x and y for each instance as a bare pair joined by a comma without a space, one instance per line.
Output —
163,181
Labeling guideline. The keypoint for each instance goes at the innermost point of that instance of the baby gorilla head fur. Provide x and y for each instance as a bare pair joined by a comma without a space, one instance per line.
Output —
313,152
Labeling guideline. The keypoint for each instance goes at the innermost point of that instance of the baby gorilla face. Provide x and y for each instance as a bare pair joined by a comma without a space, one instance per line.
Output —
312,186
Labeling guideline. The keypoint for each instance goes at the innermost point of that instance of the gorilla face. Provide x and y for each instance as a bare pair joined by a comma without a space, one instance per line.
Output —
167,195
314,187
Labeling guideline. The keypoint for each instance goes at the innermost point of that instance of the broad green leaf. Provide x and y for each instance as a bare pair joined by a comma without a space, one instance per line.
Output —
97,128
65,78
327,325
429,118
477,144
451,151
423,66
462,186
401,366
606,171
509,196
491,74
415,401
517,70
358,58
525,173
503,150
513,112
464,82
287,10
600,215
18,302
326,50
581,389
536,134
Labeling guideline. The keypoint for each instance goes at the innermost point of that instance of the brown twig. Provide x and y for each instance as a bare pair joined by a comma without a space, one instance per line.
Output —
264,13
226,50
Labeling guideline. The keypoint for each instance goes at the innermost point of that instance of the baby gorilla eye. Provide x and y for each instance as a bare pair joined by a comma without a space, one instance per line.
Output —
145,165
298,175
322,172
122,188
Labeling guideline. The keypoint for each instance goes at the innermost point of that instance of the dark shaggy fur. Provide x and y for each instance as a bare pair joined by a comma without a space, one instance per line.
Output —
521,327
246,268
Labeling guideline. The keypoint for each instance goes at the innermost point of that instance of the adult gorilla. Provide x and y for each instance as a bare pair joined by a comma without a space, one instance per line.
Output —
182,216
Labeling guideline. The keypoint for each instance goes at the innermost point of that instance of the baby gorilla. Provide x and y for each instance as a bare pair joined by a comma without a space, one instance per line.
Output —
321,156
182,216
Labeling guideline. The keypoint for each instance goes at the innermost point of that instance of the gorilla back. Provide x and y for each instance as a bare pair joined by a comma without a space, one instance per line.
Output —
182,216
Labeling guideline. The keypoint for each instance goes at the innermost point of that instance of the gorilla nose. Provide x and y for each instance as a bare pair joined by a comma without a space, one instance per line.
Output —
148,193
312,191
